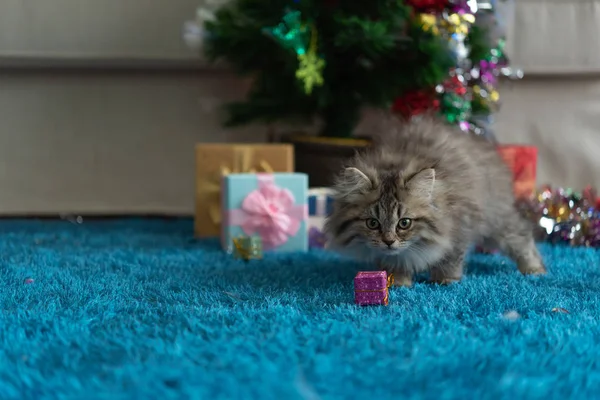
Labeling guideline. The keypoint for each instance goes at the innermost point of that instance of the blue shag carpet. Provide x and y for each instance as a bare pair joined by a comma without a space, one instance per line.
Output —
138,309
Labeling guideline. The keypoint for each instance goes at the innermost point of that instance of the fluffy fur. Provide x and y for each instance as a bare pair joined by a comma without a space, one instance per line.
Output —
420,198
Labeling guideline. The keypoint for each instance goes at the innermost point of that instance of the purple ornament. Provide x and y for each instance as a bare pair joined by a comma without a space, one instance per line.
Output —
464,6
487,71
464,126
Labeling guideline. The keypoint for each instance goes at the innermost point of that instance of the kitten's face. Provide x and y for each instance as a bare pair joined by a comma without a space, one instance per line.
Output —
393,223
388,216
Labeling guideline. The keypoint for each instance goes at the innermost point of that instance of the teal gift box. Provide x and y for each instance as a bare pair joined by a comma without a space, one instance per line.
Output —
273,207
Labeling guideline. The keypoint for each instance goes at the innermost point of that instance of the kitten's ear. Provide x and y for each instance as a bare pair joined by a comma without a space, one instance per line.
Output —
422,183
356,177
353,182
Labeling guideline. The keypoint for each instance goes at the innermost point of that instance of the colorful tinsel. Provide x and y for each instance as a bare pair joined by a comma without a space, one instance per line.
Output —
564,216
453,20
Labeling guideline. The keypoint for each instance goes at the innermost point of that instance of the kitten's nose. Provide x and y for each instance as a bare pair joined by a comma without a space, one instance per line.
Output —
389,242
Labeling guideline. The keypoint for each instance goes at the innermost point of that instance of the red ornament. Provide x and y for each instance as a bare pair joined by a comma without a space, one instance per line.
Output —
455,85
415,103
429,6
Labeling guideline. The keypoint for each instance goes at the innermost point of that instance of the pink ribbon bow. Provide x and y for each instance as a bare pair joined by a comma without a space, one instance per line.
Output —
269,212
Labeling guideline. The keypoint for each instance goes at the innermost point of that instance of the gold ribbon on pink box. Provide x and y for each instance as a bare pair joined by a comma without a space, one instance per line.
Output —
522,160
269,212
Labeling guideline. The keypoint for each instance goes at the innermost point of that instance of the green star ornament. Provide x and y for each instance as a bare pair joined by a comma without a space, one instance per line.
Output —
310,70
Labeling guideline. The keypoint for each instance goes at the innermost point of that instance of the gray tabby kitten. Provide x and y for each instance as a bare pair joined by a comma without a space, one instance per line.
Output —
418,200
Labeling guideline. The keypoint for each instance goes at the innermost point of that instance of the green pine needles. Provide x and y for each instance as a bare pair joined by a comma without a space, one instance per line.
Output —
372,52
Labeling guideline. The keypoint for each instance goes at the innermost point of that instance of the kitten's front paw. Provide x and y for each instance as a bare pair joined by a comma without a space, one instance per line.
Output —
444,281
532,269
402,280
445,277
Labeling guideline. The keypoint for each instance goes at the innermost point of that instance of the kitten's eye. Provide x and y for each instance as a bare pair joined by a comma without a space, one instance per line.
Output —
405,223
372,223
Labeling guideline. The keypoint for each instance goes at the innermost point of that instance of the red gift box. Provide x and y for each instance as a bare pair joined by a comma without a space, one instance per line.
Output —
522,160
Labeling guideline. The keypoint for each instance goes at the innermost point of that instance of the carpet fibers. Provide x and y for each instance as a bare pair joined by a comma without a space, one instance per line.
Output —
137,309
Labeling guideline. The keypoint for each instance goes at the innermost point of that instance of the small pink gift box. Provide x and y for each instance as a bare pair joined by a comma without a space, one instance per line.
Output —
371,288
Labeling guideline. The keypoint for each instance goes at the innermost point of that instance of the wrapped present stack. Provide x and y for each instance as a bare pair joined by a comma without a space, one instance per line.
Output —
214,161
250,197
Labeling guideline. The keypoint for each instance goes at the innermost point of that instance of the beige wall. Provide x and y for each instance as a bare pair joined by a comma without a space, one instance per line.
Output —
95,30
99,142
81,140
